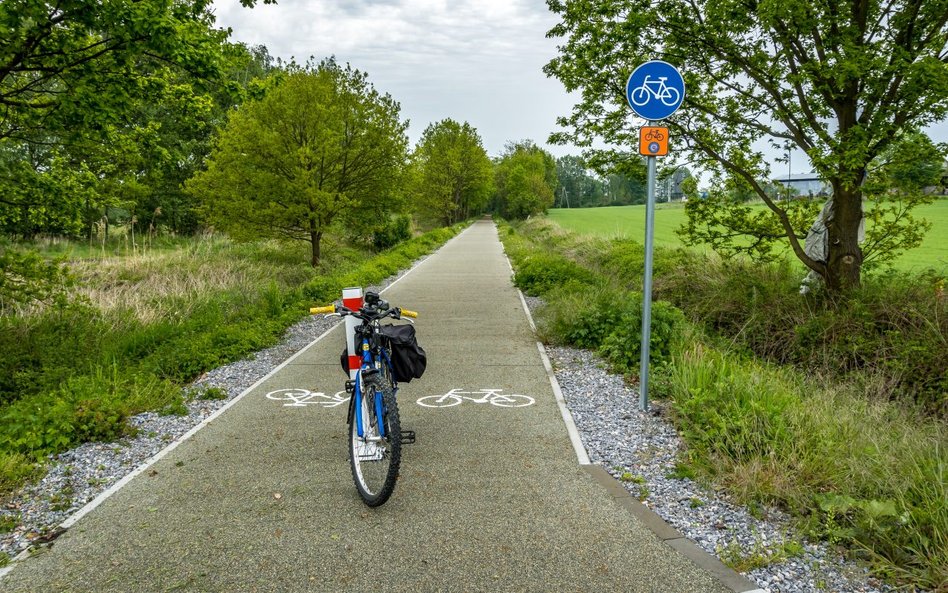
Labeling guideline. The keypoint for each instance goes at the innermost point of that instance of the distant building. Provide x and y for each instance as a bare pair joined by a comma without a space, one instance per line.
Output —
669,188
805,184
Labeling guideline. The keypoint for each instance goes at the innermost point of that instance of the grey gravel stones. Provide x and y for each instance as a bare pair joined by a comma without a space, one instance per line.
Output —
640,450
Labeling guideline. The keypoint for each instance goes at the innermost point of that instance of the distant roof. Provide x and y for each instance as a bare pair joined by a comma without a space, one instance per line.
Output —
811,176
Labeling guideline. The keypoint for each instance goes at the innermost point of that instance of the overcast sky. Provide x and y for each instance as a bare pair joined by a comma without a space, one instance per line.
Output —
471,60
478,61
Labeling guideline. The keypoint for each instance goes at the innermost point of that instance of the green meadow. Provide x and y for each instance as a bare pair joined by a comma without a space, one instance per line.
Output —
629,222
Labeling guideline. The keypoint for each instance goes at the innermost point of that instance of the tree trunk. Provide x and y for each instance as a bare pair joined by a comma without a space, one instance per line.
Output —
314,239
844,256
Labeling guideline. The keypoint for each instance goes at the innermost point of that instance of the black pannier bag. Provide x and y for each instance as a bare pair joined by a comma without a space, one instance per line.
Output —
408,358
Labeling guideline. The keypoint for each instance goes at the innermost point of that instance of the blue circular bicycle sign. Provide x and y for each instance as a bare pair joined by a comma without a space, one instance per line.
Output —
655,90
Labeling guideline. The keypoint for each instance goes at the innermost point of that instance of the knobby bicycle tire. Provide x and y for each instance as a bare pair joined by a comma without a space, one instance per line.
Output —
375,478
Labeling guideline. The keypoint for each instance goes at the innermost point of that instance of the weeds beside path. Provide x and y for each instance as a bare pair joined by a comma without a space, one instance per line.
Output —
865,469
147,326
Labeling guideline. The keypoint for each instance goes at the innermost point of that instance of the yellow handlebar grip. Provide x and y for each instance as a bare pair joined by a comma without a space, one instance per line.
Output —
321,310
407,313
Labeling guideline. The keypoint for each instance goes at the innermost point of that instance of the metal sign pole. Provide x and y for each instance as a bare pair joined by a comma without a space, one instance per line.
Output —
655,90
647,288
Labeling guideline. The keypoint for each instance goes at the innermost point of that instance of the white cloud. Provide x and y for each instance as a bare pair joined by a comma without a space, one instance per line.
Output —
471,60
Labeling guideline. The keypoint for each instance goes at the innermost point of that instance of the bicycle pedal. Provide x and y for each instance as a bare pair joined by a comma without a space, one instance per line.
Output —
350,387
408,437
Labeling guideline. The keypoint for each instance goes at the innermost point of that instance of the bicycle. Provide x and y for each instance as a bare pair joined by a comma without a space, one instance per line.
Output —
654,88
654,135
490,396
375,434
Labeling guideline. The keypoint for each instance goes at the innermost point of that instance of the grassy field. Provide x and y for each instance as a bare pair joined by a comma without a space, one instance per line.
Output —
629,222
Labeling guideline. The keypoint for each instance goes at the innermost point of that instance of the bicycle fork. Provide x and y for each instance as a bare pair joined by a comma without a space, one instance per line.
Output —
378,404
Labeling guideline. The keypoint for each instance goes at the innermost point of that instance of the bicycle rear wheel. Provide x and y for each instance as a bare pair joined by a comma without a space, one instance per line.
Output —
373,457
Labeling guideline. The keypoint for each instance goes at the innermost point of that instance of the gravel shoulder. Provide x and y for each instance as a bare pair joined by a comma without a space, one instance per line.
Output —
641,449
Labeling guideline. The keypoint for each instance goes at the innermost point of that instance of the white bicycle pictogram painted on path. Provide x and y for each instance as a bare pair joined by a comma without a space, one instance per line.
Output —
487,396
300,398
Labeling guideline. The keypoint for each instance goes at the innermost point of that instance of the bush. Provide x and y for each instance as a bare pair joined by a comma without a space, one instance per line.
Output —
391,233
539,273
15,469
893,327
623,346
866,474
624,261
86,408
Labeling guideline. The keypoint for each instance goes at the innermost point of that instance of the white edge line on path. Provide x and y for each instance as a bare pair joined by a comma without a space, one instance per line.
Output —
104,495
581,456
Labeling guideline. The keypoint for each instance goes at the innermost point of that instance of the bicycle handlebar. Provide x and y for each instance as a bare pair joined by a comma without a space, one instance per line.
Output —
342,311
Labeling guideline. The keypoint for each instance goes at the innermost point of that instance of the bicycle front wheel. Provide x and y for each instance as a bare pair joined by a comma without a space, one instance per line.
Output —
375,457
671,96
513,400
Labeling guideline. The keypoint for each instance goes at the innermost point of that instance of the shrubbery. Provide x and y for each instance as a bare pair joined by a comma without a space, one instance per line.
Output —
894,327
539,273
608,320
866,474
392,232
892,330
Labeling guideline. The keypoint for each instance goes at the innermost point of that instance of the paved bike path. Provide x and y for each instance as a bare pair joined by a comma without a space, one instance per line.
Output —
489,498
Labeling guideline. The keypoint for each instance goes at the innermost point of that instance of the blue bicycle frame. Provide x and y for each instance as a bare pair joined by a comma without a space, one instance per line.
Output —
368,364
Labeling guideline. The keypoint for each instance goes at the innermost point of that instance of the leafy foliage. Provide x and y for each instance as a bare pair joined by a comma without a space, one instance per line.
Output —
452,174
539,273
732,227
577,188
392,232
321,145
865,475
841,82
525,180
110,108
891,330
623,346
27,277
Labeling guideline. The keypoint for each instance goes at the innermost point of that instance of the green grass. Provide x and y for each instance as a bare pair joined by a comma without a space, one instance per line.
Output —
143,325
629,222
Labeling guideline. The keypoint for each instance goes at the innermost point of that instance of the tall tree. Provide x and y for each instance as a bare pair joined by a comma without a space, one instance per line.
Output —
526,180
323,143
569,175
106,104
72,65
625,175
839,80
453,176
